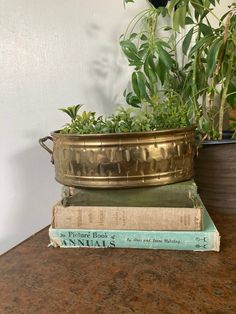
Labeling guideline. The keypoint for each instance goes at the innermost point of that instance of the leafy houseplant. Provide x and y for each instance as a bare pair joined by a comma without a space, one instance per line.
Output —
204,77
171,114
214,53
206,71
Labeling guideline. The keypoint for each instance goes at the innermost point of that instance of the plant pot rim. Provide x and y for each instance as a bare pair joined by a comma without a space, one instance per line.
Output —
226,140
124,134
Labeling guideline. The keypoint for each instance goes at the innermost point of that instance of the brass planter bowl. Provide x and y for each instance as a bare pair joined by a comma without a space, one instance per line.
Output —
123,160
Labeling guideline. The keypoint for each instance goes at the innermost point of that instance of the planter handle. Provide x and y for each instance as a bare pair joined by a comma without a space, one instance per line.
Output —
41,142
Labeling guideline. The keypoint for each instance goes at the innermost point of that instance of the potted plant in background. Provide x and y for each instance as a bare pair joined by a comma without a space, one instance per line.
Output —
206,81
215,166
212,61
150,143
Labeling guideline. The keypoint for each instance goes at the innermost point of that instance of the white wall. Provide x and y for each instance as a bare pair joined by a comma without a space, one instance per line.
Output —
220,10
52,54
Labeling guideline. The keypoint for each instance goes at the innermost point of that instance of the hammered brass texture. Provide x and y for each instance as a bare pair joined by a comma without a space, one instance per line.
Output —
124,160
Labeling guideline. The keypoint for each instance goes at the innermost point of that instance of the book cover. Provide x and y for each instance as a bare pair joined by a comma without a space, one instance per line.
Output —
205,240
127,218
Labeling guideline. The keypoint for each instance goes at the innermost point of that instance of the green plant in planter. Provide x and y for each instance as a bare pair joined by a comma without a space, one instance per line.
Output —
86,123
214,56
171,114
206,75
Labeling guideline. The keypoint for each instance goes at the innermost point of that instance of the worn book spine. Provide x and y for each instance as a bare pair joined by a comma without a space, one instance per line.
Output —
205,240
126,218
171,240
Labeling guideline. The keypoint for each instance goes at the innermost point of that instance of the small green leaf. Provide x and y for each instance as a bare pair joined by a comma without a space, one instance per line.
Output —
187,41
172,5
135,84
133,100
143,37
163,11
205,13
133,36
146,66
142,85
131,53
144,46
128,44
161,71
163,43
200,78
212,56
205,29
142,53
151,62
179,18
164,56
213,2
150,71
198,8
127,1
188,20
72,111
231,99
197,4
187,65
168,28
201,44
224,16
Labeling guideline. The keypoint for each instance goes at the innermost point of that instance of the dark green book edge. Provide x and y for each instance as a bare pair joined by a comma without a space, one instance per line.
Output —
181,194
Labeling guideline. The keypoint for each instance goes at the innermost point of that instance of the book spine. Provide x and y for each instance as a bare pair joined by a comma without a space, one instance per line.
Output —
191,241
126,218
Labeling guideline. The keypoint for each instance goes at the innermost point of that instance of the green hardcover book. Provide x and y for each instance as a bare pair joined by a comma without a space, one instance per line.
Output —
170,207
173,195
205,240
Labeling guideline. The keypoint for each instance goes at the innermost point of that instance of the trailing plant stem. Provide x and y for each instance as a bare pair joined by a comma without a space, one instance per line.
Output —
211,101
227,77
204,99
194,90
224,95
133,23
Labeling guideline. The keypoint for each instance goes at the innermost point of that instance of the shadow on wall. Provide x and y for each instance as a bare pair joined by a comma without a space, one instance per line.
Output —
35,192
108,71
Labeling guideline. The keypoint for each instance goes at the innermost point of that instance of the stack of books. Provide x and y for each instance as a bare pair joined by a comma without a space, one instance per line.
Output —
169,217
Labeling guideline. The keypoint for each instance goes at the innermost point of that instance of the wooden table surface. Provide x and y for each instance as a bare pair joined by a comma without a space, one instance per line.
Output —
38,279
